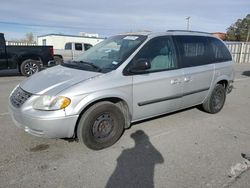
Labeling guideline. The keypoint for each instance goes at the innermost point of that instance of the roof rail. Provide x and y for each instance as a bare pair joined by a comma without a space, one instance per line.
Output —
188,31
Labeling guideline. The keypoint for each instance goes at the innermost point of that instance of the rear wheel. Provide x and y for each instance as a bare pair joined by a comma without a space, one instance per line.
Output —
29,67
216,100
101,125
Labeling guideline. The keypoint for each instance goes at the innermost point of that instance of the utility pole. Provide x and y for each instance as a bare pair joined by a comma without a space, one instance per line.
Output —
188,18
248,33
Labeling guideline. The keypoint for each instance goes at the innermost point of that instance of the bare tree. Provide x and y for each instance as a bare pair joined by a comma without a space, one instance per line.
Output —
29,37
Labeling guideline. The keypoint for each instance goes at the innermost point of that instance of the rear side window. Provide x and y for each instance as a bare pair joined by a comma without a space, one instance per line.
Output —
219,50
78,46
87,46
193,50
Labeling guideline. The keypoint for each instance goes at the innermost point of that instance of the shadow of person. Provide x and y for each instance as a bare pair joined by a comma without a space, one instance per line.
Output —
135,166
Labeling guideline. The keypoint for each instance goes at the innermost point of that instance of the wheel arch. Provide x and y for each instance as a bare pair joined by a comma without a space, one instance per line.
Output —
27,57
119,101
30,56
224,80
58,56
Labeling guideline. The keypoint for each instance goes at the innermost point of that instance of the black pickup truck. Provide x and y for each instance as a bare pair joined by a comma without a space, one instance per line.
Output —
26,59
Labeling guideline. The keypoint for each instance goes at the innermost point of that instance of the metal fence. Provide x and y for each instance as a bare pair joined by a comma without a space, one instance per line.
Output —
13,43
240,51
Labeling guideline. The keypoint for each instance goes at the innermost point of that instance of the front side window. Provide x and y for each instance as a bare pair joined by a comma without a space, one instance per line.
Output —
193,50
159,52
68,46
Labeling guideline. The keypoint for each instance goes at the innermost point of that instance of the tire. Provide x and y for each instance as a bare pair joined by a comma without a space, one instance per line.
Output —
58,60
101,125
216,100
29,67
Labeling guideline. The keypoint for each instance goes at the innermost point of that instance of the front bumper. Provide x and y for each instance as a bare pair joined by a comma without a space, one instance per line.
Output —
51,63
47,127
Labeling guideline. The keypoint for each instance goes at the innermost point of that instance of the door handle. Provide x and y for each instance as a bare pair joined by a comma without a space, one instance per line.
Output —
187,79
175,81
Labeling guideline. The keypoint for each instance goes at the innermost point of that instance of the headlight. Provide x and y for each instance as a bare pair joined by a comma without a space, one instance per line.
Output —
51,103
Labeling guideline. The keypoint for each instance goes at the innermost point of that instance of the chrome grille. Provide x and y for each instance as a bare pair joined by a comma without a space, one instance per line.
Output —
18,97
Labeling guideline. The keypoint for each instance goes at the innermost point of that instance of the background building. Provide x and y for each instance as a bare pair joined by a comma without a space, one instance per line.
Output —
220,35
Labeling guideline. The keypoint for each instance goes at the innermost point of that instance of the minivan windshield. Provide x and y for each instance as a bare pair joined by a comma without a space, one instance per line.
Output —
108,54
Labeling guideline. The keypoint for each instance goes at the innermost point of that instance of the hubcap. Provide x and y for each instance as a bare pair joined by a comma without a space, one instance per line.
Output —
30,68
103,126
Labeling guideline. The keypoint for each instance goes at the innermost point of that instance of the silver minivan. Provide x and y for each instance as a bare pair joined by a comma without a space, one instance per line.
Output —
124,79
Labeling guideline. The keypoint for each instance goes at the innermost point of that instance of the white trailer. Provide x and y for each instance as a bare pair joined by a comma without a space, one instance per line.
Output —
58,41
61,43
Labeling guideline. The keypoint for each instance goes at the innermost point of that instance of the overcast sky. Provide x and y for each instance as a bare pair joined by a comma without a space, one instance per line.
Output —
109,17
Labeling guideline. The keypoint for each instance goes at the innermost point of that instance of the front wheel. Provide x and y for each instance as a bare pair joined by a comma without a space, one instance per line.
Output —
58,60
29,67
216,100
101,125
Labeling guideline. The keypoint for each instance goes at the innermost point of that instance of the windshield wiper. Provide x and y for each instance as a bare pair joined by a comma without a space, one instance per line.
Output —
90,64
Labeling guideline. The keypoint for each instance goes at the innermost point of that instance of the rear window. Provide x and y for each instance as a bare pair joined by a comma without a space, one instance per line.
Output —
87,46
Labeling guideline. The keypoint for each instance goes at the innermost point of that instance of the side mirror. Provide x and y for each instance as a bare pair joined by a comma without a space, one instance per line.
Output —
139,66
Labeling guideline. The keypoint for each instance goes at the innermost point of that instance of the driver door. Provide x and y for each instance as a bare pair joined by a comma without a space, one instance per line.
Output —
159,89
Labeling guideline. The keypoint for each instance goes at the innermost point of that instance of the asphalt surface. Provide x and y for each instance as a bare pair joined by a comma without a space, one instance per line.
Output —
189,148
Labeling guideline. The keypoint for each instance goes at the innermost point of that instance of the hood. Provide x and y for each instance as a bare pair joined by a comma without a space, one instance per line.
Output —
54,80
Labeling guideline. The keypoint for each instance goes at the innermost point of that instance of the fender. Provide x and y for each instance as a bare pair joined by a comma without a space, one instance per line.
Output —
33,56
102,95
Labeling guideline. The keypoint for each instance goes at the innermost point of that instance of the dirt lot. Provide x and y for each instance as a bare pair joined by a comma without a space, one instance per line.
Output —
185,149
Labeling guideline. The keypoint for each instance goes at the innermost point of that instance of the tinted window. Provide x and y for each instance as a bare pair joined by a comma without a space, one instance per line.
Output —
78,46
219,50
193,50
68,46
87,46
159,52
